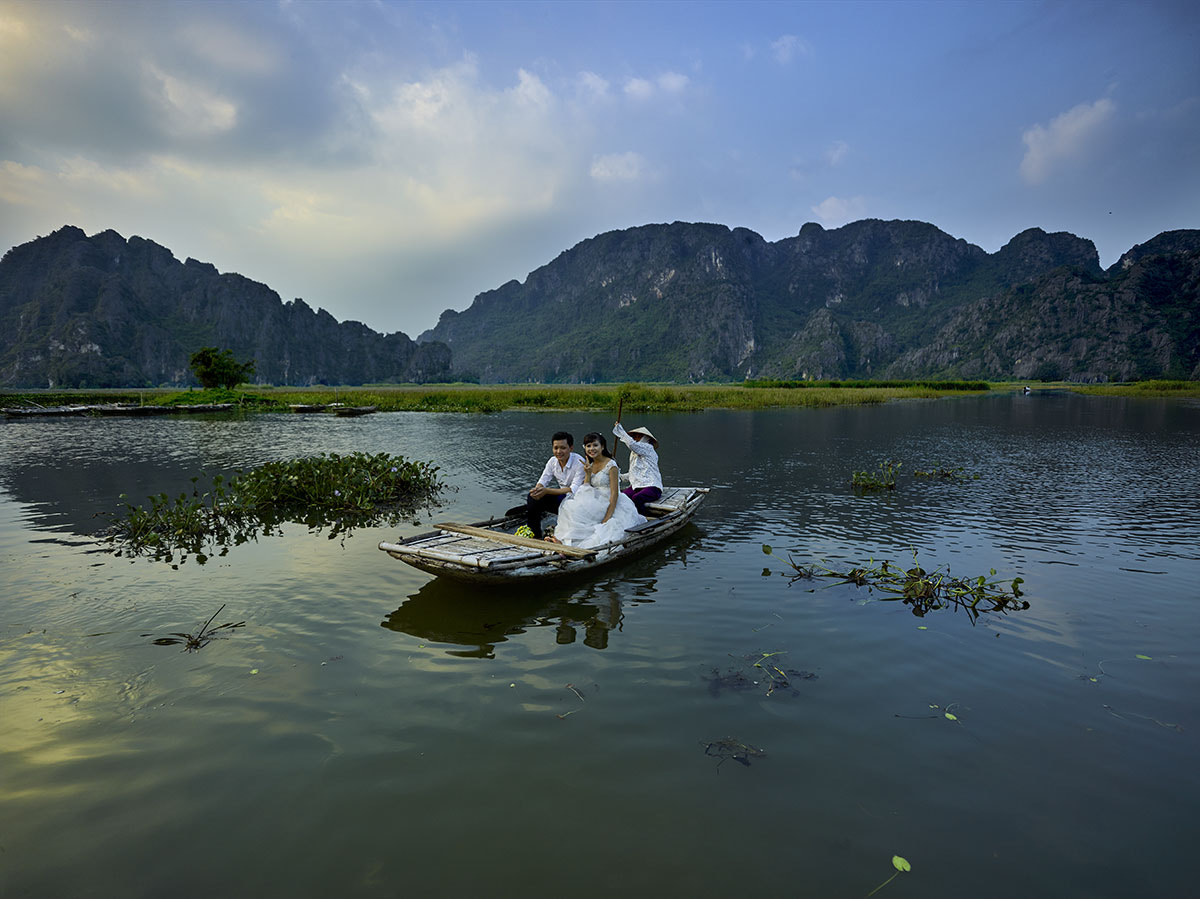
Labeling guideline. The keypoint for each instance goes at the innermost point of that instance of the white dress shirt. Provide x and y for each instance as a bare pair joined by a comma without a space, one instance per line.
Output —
569,475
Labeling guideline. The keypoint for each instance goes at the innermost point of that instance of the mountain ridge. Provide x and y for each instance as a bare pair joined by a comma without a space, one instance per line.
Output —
658,302
106,311
700,301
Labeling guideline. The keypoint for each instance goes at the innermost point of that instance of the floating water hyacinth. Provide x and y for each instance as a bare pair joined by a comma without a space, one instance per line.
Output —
923,591
335,491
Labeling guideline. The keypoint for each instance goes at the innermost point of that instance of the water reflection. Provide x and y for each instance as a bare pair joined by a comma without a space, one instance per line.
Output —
444,611
315,723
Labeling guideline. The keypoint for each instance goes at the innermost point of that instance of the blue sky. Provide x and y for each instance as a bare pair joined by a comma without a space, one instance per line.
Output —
387,161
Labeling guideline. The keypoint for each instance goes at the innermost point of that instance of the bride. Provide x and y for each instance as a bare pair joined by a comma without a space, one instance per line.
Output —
597,512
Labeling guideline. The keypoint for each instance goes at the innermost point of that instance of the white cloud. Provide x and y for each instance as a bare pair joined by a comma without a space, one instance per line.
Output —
22,185
673,82
837,152
639,89
531,91
80,35
840,210
593,85
618,167
191,109
642,89
1066,138
787,47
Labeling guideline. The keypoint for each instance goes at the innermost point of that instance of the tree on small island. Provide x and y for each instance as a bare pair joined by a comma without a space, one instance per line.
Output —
217,368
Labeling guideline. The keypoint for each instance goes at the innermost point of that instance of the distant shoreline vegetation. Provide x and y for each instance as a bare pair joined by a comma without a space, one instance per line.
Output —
584,397
932,385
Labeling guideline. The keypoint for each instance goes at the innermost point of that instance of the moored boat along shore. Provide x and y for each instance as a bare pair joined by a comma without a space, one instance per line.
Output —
503,397
134,409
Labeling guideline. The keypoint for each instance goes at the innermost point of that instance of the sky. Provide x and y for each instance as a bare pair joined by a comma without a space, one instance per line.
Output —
387,161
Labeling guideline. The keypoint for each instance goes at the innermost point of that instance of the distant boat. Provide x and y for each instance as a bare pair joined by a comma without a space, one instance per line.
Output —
489,551
307,407
350,411
115,409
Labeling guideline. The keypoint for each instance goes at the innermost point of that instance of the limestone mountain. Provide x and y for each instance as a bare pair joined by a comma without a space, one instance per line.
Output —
79,311
686,302
1139,320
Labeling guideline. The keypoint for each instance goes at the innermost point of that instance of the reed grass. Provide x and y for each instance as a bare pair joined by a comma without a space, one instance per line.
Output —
595,398
1141,388
475,398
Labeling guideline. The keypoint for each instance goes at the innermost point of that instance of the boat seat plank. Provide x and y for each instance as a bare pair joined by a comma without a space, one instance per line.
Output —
501,537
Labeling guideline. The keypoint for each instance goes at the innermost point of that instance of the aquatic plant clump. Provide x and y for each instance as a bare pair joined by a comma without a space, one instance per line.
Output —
923,591
883,479
335,491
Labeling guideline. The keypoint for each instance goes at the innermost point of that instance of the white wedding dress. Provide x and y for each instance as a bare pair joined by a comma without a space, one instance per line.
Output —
580,517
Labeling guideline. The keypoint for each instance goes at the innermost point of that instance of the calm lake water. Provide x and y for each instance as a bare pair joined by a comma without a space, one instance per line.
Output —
373,732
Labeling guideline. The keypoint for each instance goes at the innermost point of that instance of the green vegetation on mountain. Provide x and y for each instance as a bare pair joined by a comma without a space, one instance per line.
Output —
103,311
680,303
700,302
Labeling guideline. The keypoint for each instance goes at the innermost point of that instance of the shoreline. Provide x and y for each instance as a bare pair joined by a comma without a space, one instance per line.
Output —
641,398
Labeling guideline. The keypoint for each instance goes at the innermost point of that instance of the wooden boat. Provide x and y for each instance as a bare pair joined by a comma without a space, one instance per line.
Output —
307,407
350,411
489,551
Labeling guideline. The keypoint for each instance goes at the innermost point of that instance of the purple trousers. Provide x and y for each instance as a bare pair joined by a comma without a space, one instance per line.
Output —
641,496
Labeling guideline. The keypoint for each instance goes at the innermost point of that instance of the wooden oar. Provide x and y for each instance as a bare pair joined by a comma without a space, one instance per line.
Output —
620,403
574,552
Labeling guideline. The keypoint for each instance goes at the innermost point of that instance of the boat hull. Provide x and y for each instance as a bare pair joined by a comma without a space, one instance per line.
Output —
477,561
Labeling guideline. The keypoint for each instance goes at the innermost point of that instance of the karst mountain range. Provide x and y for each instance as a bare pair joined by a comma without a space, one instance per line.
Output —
679,302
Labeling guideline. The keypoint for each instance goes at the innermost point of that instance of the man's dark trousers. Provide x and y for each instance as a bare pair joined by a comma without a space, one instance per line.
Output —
536,508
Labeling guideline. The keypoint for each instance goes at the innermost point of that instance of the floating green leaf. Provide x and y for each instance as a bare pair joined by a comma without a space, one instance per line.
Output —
1147,658
767,548
900,864
952,716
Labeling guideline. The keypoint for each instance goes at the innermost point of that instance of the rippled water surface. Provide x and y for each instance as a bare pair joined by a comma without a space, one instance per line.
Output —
373,732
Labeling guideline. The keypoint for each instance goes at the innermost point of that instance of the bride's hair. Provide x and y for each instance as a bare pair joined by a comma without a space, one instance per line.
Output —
593,437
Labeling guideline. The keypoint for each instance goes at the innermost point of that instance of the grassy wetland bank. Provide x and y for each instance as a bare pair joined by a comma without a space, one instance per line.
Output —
584,397
507,397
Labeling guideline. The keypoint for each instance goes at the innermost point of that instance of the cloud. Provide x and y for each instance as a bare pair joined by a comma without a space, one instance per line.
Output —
642,89
840,210
190,109
1066,138
673,82
787,47
639,89
593,85
618,167
837,152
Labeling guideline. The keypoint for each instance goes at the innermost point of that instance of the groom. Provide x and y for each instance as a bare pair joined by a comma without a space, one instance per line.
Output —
563,466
